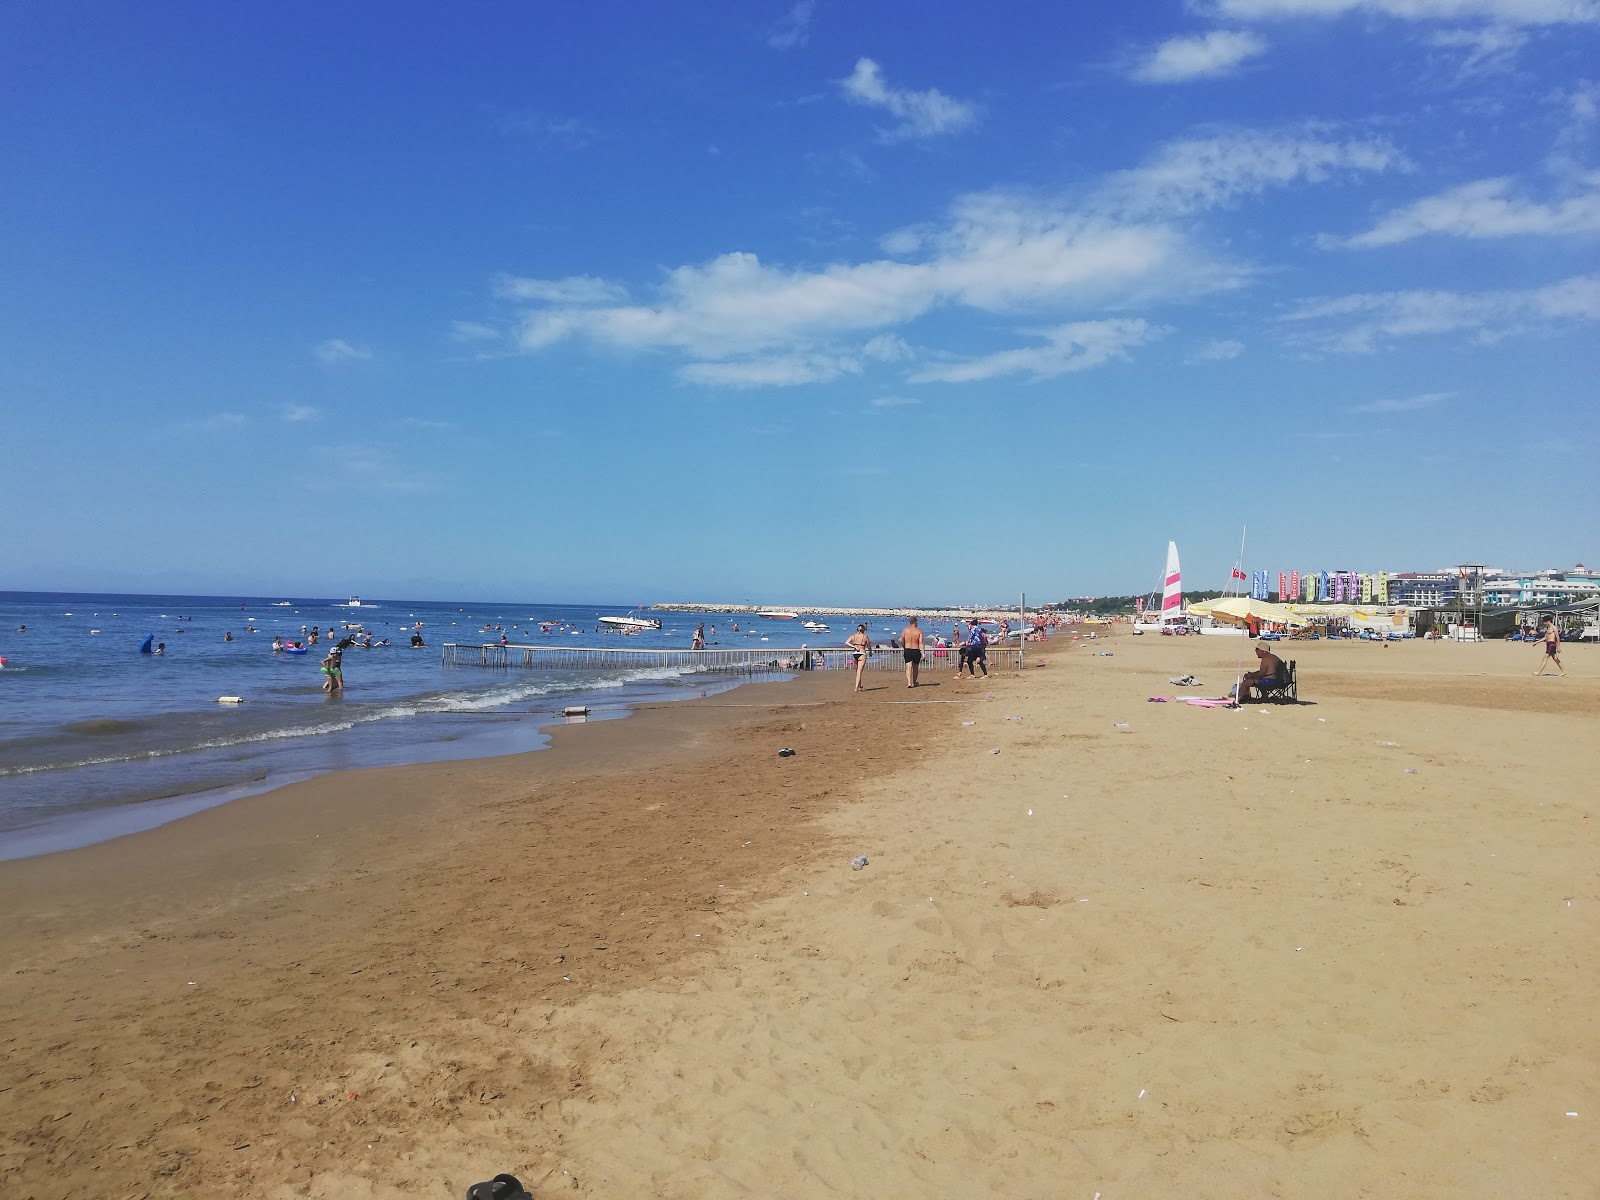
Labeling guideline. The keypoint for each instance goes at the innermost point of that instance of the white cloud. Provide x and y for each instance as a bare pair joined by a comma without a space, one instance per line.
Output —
298,413
782,371
794,31
893,401
1204,56
366,467
1404,404
1499,12
222,422
574,289
1198,173
473,331
548,130
1485,51
1483,209
920,114
740,321
337,350
1218,350
1360,324
1073,347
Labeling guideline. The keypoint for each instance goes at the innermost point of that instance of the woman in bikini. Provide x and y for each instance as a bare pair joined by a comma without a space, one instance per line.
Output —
860,643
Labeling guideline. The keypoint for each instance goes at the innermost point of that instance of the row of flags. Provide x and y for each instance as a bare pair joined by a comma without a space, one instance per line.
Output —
1336,587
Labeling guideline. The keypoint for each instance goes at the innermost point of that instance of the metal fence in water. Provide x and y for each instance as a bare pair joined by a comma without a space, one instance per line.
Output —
742,661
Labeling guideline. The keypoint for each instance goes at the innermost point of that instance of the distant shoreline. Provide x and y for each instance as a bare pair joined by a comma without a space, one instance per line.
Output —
826,610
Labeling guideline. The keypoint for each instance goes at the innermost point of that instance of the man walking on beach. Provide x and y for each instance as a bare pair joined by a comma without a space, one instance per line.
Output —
1552,648
911,647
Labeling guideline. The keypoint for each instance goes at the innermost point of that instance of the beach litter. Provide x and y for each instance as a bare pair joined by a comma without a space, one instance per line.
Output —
786,752
1123,725
996,750
1186,681
1411,771
857,863
969,722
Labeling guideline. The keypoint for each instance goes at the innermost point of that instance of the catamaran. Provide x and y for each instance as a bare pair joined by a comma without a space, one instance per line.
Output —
1169,618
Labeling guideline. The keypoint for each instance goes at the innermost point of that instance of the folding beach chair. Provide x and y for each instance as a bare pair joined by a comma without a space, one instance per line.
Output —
1282,689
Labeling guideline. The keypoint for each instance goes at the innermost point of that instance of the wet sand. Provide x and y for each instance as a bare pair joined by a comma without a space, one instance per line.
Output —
1224,954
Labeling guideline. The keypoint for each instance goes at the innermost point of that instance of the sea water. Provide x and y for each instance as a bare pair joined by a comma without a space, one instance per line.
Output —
98,740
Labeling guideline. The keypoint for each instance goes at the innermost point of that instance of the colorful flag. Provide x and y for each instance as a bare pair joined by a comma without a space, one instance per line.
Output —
1283,587
1238,573
1294,585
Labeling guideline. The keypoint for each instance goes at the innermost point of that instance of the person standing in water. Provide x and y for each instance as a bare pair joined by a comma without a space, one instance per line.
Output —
333,668
699,637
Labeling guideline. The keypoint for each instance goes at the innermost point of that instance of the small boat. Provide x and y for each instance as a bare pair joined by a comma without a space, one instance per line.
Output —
353,602
815,626
779,615
1169,618
630,622
283,604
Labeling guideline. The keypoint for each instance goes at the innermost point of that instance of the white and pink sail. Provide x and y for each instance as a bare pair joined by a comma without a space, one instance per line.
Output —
1172,589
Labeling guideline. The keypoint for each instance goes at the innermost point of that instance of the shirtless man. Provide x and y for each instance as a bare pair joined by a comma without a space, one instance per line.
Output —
1269,665
860,643
911,647
1552,648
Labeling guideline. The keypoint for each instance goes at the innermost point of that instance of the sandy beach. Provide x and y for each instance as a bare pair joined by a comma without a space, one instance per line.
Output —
1338,949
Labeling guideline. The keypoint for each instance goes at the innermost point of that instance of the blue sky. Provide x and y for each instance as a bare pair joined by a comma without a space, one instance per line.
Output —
800,302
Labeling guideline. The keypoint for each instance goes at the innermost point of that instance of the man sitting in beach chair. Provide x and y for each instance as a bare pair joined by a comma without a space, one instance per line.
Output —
1273,678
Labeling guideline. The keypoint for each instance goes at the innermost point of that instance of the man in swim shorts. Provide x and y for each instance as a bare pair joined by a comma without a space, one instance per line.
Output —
911,647
1552,649
860,643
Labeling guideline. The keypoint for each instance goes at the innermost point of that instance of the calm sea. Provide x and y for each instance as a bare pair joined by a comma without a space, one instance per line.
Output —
98,740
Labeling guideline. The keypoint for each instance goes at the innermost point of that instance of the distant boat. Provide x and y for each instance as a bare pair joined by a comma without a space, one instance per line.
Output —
779,615
355,602
1169,618
283,604
630,622
815,626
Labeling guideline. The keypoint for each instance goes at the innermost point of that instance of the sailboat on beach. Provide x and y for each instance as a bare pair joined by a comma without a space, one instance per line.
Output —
1169,618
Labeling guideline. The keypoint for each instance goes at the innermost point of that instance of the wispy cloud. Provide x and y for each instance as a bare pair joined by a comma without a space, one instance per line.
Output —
222,422
1206,172
575,289
1218,350
1362,323
546,129
366,467
1404,404
745,322
1487,208
794,30
300,413
924,114
1487,51
1203,56
779,371
473,331
893,401
1498,12
1067,348
337,350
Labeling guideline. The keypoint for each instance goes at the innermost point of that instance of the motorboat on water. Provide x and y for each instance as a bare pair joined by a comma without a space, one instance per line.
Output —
779,615
815,626
631,622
